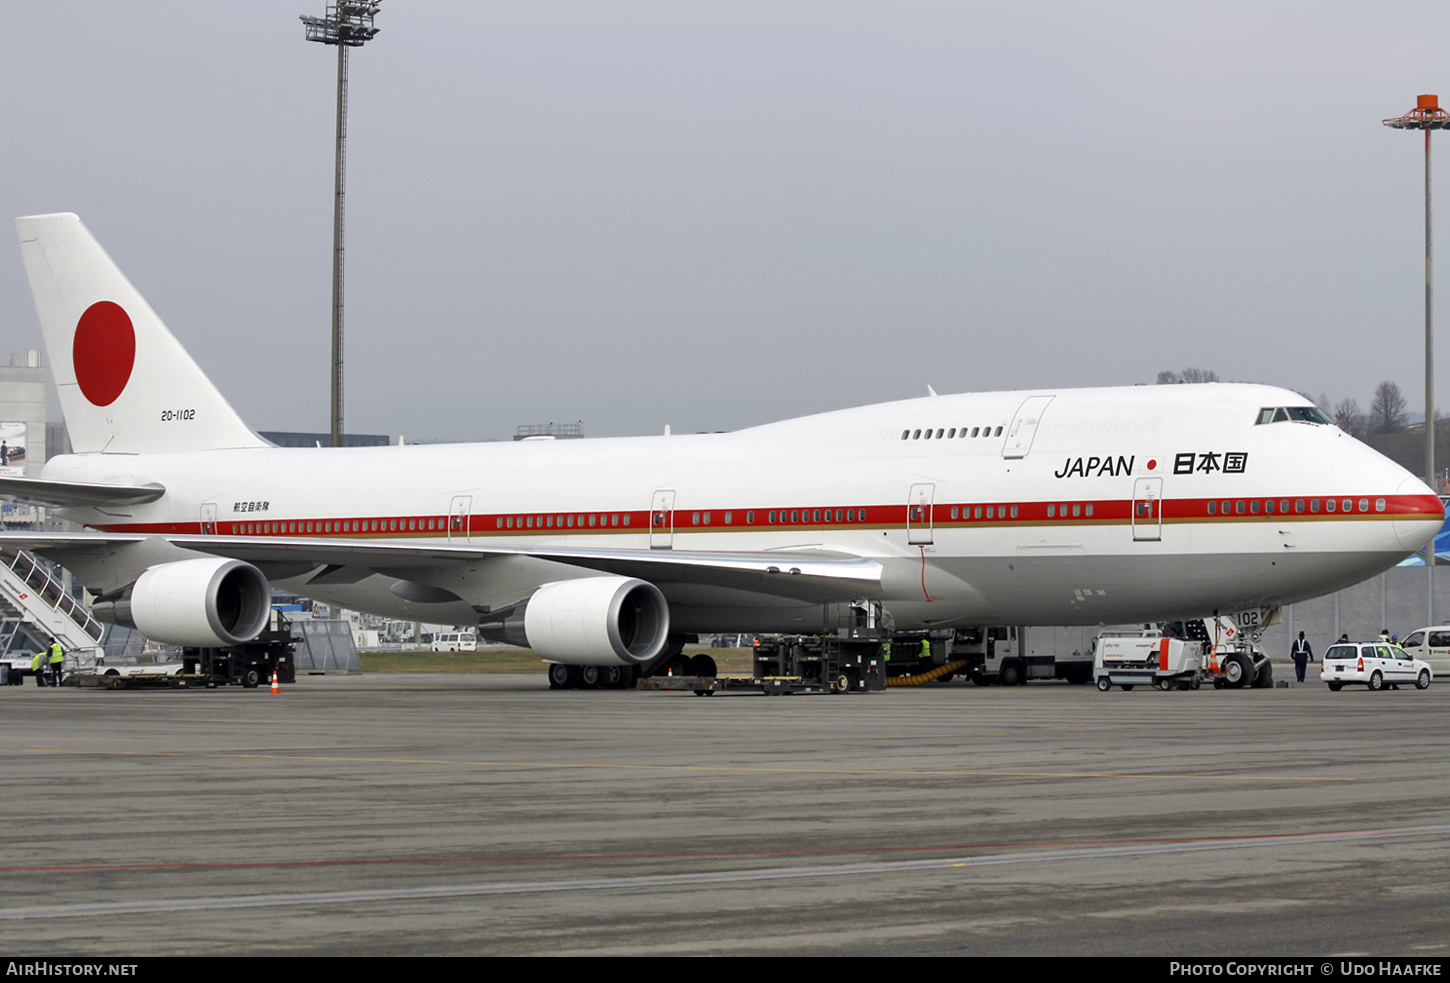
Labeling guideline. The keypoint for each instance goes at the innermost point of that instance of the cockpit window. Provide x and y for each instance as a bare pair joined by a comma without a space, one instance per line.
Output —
1303,414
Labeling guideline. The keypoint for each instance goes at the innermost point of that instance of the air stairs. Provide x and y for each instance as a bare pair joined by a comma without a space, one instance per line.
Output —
39,595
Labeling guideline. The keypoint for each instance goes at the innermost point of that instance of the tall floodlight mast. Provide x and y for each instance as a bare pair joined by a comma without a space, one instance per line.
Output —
1427,115
348,24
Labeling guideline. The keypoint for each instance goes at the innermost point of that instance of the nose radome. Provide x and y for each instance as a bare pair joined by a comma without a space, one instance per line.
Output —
1423,523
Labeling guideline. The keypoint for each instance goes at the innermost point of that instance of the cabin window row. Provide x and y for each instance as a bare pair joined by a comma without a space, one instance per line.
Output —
984,512
941,433
1079,510
340,525
773,517
592,520
1282,506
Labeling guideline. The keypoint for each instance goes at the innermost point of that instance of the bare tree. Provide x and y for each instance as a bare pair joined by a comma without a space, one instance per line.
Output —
1168,377
1348,417
1387,409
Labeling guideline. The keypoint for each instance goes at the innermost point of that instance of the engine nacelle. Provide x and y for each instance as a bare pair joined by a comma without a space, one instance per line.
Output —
597,621
208,603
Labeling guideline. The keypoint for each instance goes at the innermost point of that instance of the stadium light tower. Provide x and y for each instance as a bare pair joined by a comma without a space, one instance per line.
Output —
348,24
1427,115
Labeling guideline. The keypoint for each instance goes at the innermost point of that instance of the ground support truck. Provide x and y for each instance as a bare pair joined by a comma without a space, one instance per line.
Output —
248,665
1228,655
1000,654
1147,658
783,665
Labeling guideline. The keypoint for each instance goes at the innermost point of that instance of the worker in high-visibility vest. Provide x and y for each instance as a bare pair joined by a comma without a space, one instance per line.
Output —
57,660
37,666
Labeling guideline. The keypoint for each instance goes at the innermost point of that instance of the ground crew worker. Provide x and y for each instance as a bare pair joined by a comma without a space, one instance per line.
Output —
1302,655
57,659
37,666
926,650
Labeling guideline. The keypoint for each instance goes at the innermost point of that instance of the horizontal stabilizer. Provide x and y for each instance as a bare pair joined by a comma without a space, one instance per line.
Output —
63,494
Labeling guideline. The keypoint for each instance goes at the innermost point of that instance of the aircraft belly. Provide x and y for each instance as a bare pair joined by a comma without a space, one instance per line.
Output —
1077,590
374,596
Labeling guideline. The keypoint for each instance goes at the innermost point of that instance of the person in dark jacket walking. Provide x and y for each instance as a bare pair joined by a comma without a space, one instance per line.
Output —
1302,655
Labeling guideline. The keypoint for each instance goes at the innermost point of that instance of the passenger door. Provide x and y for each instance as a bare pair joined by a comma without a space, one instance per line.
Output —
1147,518
918,514
662,520
459,510
1024,427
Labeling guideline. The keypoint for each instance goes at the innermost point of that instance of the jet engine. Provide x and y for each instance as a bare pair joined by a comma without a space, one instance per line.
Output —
593,621
208,603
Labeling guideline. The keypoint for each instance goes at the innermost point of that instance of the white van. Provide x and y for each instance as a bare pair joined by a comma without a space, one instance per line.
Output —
1433,646
455,641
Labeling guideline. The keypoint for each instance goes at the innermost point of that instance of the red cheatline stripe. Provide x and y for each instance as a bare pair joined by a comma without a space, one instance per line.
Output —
1092,512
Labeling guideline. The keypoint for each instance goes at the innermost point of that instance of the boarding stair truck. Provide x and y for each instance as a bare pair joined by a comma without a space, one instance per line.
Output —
1001,654
1148,658
35,591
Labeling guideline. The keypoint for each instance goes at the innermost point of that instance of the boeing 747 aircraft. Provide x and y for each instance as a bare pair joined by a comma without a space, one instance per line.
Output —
1060,506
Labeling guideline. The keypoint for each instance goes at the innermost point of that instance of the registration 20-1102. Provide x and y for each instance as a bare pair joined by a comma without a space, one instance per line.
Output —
170,416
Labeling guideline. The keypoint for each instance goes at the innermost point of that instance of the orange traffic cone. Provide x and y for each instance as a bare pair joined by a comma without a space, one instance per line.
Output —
275,688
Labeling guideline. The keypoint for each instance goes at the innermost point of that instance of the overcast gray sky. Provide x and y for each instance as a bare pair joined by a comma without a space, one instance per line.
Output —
716,214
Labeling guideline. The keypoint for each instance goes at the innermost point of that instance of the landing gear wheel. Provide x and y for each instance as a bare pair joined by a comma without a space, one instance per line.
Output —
609,677
589,677
1238,671
1265,677
1104,684
558,676
1422,681
1376,681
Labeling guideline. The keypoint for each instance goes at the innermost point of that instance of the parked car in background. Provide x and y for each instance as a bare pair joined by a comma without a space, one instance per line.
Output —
455,641
1377,665
1433,646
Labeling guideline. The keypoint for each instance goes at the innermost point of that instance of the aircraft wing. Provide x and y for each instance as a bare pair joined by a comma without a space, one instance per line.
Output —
60,494
797,575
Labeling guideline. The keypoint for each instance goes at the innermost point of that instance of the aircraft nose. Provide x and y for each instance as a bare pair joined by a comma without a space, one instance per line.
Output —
1419,514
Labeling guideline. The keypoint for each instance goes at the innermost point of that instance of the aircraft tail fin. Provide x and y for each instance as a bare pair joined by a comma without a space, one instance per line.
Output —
126,385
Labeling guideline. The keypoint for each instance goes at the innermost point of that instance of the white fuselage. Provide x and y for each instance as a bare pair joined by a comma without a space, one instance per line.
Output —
1081,507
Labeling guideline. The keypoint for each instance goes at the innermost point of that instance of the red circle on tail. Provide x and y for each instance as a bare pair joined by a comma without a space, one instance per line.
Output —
104,352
